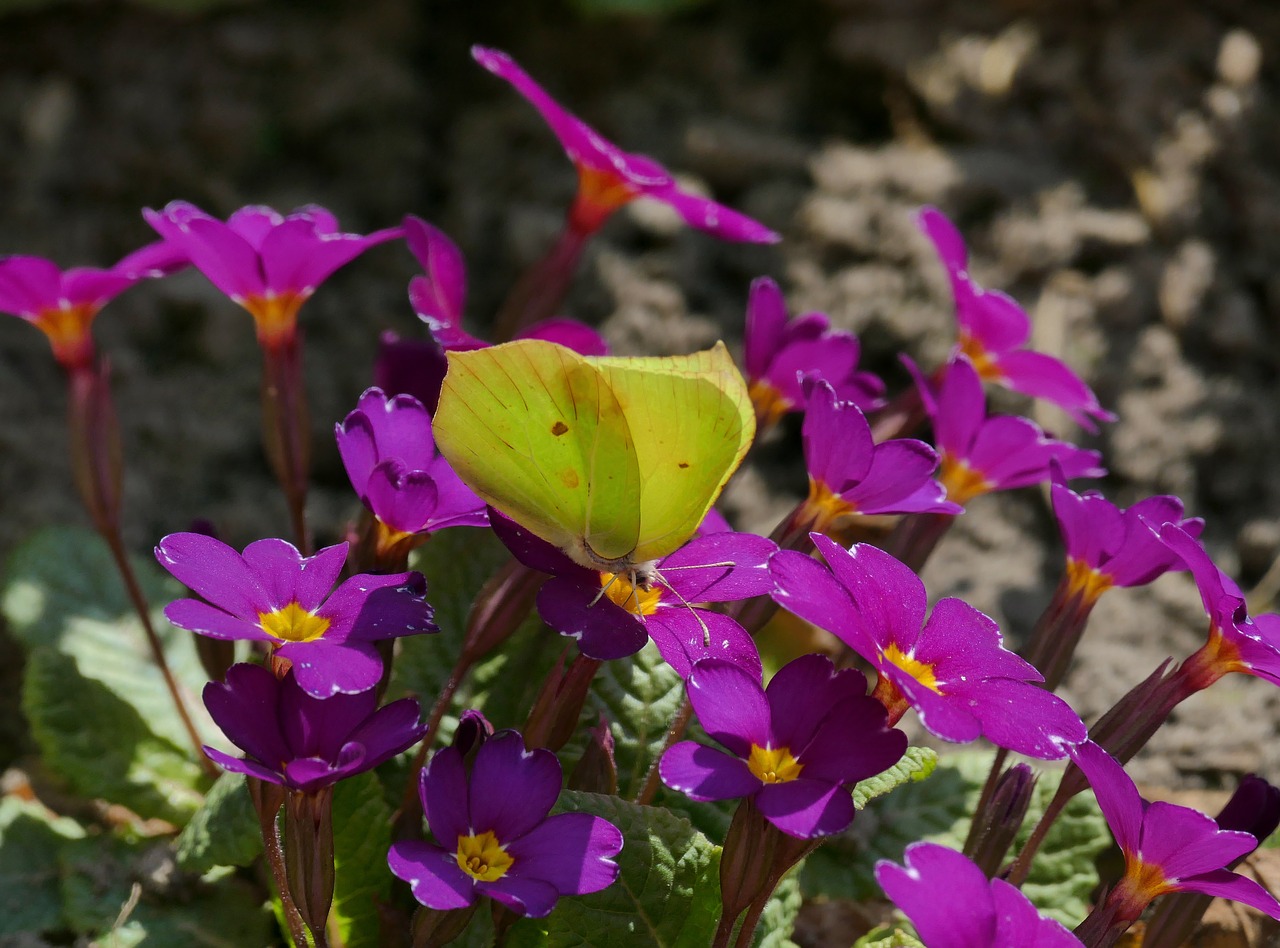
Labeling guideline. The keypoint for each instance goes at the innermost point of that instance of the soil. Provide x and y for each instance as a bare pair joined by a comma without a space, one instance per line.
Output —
1115,166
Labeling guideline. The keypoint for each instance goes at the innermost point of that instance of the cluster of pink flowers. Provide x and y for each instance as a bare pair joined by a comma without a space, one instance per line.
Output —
791,749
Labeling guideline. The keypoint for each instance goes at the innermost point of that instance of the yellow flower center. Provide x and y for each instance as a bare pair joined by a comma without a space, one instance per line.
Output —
916,669
482,858
769,403
600,193
1142,882
773,764
293,624
275,314
1217,657
637,600
67,327
1087,582
962,482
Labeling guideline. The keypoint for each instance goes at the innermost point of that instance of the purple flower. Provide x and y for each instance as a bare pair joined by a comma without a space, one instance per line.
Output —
440,294
1237,642
609,177
850,474
981,454
795,747
993,329
779,354
953,668
952,904
63,303
267,262
410,367
495,838
1109,546
302,742
1167,848
611,615
391,458
273,594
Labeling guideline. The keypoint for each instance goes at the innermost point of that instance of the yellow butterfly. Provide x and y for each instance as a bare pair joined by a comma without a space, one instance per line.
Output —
615,460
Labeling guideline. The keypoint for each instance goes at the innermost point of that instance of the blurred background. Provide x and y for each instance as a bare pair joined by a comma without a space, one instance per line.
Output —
1113,165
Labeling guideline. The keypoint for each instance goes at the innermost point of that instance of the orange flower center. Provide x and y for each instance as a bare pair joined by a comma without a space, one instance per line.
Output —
769,403
67,327
636,599
824,508
275,314
600,193
1086,582
293,624
987,367
962,482
482,858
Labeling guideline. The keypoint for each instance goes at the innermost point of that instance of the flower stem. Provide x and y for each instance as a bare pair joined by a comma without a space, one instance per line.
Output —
286,430
267,800
674,733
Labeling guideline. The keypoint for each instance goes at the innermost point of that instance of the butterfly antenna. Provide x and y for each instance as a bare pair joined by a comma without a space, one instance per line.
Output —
603,589
706,631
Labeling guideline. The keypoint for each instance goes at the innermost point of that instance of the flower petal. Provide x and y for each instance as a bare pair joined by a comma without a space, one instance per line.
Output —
1117,796
512,789
806,808
213,570
325,668
572,851
685,636
706,773
442,785
945,895
730,705
204,619
433,875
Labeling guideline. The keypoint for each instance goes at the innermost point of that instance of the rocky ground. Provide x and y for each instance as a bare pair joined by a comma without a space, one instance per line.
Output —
1115,166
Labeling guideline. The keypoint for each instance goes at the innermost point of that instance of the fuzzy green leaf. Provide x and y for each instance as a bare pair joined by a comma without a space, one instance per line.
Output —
888,936
224,831
361,838
30,840
98,707
916,765
778,919
639,698
667,892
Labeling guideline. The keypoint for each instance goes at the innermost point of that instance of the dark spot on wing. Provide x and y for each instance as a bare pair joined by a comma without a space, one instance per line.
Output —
683,464
559,428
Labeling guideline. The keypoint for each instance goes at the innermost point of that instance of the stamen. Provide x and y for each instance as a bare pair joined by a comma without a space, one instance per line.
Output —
482,857
293,624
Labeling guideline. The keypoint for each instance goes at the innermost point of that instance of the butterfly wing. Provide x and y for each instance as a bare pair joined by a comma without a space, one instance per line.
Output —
692,422
533,428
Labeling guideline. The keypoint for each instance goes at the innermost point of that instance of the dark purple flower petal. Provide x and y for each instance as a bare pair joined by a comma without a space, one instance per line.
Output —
531,897
246,766
245,708
1018,922
433,875
328,668
719,567
1222,883
442,293
837,440
766,321
403,499
731,705
1185,842
371,607
213,570
803,693
502,767
853,742
442,785
289,577
602,628
806,808
572,851
1023,717
706,773
203,619
687,636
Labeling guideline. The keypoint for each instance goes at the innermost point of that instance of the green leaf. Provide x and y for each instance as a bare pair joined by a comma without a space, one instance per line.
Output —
667,892
102,893
939,810
639,698
916,765
361,838
98,706
889,936
30,840
224,831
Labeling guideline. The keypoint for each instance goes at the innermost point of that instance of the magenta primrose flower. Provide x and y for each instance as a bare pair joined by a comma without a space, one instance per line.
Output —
391,458
850,474
953,669
1237,642
439,296
609,177
1110,546
1167,848
612,618
952,903
63,303
982,453
494,837
780,354
302,742
273,594
267,262
795,747
993,329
